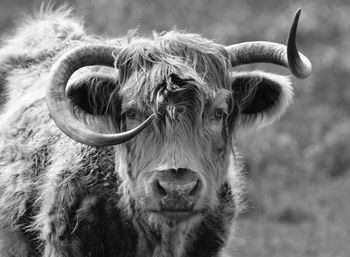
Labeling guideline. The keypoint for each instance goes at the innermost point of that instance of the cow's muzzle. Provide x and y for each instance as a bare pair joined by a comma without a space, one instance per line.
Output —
177,190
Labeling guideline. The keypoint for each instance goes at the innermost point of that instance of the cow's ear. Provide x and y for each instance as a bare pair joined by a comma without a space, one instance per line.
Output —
92,92
261,97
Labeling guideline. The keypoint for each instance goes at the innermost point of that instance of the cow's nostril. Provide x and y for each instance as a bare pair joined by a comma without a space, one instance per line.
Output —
195,189
160,189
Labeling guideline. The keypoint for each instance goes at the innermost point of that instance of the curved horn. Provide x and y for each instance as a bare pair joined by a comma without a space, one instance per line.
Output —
268,52
61,110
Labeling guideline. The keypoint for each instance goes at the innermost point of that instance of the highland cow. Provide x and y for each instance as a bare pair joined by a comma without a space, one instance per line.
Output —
124,147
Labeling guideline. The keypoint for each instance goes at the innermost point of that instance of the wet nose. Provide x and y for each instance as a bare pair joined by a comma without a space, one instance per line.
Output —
177,189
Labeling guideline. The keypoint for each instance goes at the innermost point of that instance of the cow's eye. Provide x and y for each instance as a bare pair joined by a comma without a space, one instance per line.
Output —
131,114
218,114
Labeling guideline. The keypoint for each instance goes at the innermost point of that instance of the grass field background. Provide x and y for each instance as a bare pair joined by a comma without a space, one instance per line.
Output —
298,179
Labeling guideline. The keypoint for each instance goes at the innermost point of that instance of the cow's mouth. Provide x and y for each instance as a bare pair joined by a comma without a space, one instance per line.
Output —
178,214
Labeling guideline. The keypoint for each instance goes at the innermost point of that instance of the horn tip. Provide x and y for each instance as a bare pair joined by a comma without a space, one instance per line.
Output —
296,18
297,14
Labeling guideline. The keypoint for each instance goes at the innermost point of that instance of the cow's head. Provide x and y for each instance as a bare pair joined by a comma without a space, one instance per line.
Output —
171,104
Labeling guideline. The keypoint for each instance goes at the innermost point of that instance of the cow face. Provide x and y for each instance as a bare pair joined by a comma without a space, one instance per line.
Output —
178,163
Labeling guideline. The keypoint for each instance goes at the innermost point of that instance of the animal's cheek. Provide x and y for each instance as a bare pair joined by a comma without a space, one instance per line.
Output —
217,159
221,150
130,124
215,126
213,137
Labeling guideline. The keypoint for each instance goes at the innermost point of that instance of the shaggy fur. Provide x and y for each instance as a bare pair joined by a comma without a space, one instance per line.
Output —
61,198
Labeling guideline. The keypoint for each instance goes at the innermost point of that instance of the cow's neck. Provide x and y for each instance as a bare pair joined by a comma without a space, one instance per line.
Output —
160,241
172,242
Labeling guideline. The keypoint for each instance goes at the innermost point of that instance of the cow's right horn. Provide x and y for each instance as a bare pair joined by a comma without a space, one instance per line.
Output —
61,110
269,52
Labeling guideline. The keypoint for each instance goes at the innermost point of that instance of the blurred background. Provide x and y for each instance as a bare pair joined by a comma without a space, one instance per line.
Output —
298,170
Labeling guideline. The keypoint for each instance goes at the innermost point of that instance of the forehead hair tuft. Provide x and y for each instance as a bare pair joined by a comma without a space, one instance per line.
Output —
144,63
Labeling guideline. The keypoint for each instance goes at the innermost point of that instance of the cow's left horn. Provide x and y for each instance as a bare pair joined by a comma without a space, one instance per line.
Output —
62,111
269,52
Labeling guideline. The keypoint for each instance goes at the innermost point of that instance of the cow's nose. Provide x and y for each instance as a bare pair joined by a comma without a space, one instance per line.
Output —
177,189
